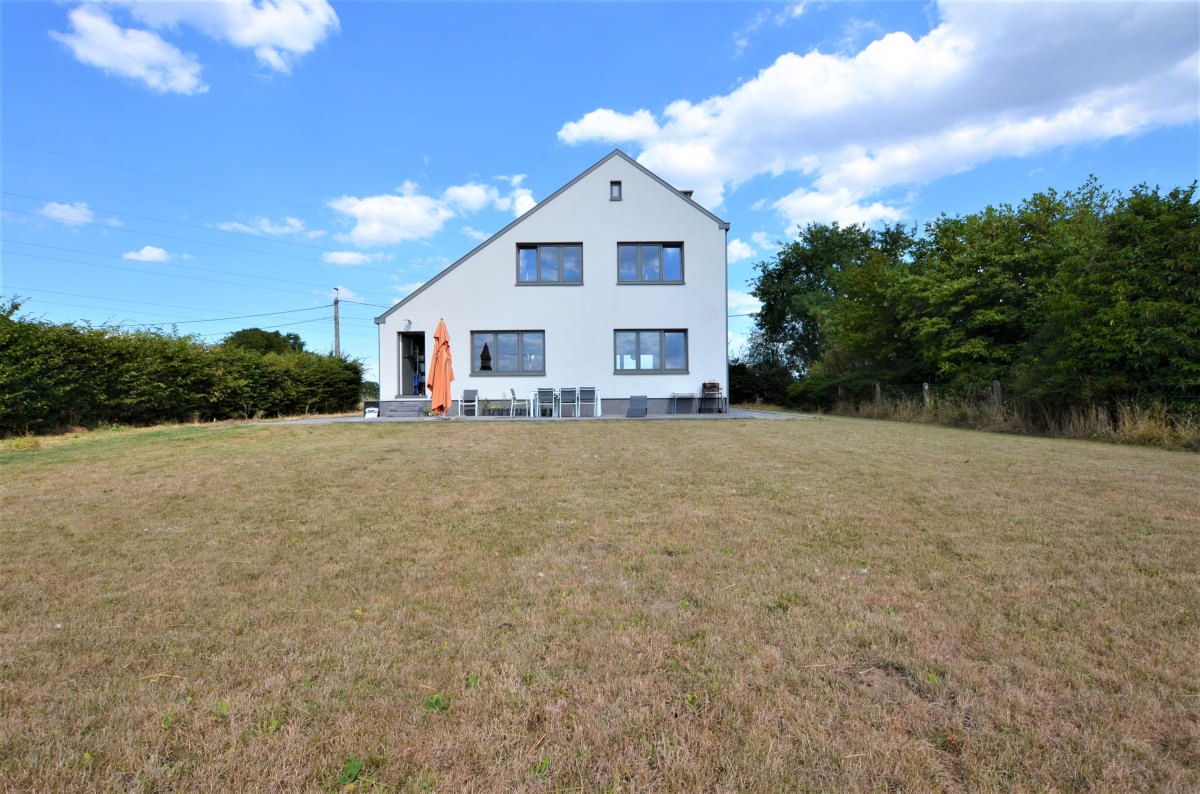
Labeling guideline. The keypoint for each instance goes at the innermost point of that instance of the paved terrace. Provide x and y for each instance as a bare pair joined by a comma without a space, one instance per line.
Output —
731,413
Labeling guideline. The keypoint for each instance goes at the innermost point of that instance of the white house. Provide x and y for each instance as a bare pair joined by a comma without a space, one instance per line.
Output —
617,282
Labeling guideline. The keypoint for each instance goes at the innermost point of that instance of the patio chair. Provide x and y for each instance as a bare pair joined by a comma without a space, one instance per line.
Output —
637,406
568,398
469,399
526,401
587,396
544,401
712,394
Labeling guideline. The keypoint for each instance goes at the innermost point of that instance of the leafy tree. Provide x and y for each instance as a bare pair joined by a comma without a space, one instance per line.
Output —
1122,315
797,289
866,338
264,341
967,304
759,374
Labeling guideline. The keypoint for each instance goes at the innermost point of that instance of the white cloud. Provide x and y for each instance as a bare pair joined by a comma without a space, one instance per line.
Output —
149,253
475,234
990,80
522,201
387,219
97,41
741,303
279,32
474,197
610,126
266,226
70,214
837,204
737,250
770,16
349,258
471,197
382,220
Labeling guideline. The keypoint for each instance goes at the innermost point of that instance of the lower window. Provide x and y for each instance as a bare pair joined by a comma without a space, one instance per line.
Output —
508,352
650,351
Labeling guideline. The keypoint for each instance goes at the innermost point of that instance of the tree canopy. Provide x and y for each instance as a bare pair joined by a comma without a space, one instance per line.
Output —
264,341
1066,299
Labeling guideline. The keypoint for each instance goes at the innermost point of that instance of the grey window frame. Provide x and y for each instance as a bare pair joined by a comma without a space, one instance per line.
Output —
537,248
508,373
614,190
641,278
638,369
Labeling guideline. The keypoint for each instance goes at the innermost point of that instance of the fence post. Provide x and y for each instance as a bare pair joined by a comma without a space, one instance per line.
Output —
926,394
997,397
878,394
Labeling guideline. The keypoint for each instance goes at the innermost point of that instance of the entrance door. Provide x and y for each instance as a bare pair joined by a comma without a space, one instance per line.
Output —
412,364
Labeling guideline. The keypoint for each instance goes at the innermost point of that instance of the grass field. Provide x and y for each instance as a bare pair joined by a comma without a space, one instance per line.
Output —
732,605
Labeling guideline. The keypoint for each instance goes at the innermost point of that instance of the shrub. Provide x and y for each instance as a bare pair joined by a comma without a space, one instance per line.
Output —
59,376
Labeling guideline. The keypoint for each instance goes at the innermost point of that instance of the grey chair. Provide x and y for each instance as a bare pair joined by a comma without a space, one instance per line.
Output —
469,399
544,401
637,406
587,396
568,399
525,401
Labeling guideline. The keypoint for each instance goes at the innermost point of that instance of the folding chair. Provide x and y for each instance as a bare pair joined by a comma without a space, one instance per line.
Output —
527,401
568,398
637,406
469,399
544,401
587,396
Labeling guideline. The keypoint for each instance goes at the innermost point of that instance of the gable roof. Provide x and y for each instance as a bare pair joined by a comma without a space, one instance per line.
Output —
614,153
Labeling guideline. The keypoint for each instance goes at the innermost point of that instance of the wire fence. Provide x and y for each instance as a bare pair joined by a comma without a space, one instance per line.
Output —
1171,421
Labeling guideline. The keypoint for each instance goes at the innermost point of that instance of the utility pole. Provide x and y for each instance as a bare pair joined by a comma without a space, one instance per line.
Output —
337,341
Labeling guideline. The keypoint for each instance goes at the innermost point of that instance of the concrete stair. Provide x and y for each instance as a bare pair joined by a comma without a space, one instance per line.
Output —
403,409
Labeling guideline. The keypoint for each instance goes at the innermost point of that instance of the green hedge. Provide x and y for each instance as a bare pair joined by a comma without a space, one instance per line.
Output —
59,376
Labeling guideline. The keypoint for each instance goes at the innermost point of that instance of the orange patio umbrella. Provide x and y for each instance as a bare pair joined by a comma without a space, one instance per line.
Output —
441,373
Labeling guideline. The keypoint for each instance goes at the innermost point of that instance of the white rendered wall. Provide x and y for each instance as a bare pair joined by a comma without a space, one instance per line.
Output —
482,294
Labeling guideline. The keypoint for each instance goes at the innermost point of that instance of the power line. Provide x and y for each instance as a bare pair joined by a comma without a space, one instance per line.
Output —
323,307
152,219
270,327
251,235
235,317
311,285
177,238
163,264
146,172
14,287
165,275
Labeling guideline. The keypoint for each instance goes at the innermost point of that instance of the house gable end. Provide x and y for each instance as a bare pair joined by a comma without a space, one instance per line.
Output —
381,319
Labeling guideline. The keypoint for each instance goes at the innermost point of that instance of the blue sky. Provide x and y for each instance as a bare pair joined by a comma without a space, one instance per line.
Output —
214,166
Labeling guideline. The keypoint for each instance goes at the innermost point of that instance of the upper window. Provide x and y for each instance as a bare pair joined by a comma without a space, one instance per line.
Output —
508,352
650,263
559,263
650,351
614,190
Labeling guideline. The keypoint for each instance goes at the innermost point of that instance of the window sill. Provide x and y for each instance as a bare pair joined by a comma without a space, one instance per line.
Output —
490,374
652,372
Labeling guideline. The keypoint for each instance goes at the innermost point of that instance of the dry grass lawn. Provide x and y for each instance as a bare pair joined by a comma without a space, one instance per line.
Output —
736,605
